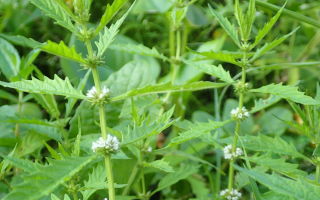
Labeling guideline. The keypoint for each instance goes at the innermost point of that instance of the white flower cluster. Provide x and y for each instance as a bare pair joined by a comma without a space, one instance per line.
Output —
96,96
231,194
111,144
229,154
240,114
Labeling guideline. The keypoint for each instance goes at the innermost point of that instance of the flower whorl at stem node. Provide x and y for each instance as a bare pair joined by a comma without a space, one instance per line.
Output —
232,194
96,97
229,154
239,113
241,87
109,145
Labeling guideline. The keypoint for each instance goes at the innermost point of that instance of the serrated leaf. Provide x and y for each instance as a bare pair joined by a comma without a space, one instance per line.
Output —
219,56
139,49
148,128
62,50
264,103
278,165
196,131
226,25
215,71
48,178
266,28
287,92
109,13
168,87
172,178
268,46
56,86
298,189
96,178
57,12
262,143
160,165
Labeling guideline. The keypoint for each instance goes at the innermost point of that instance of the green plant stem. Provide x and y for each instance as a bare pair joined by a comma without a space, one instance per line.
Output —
75,195
237,128
108,164
20,99
103,126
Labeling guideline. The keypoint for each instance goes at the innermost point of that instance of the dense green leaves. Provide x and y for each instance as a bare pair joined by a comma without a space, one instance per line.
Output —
298,189
215,71
56,86
287,92
9,59
48,177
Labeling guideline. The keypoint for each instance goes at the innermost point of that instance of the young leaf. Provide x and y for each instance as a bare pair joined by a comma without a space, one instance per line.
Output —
139,49
172,178
196,131
109,13
48,178
107,36
62,50
160,165
298,189
220,56
266,29
215,71
9,59
287,92
94,182
268,46
264,103
276,145
57,12
227,26
167,87
56,86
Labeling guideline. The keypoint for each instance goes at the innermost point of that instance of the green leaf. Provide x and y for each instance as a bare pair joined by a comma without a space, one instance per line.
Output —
196,131
227,26
160,165
266,29
139,49
287,92
268,46
216,71
183,172
262,143
278,164
298,189
219,56
56,86
48,102
264,103
167,87
21,40
96,178
109,13
148,127
57,12
48,178
25,165
62,50
9,59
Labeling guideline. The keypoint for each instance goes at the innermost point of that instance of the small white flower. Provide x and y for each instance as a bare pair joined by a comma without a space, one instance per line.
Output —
229,154
110,144
240,114
149,149
232,194
96,96
105,199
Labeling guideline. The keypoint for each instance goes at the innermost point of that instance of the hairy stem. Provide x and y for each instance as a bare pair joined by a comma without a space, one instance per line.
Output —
103,126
